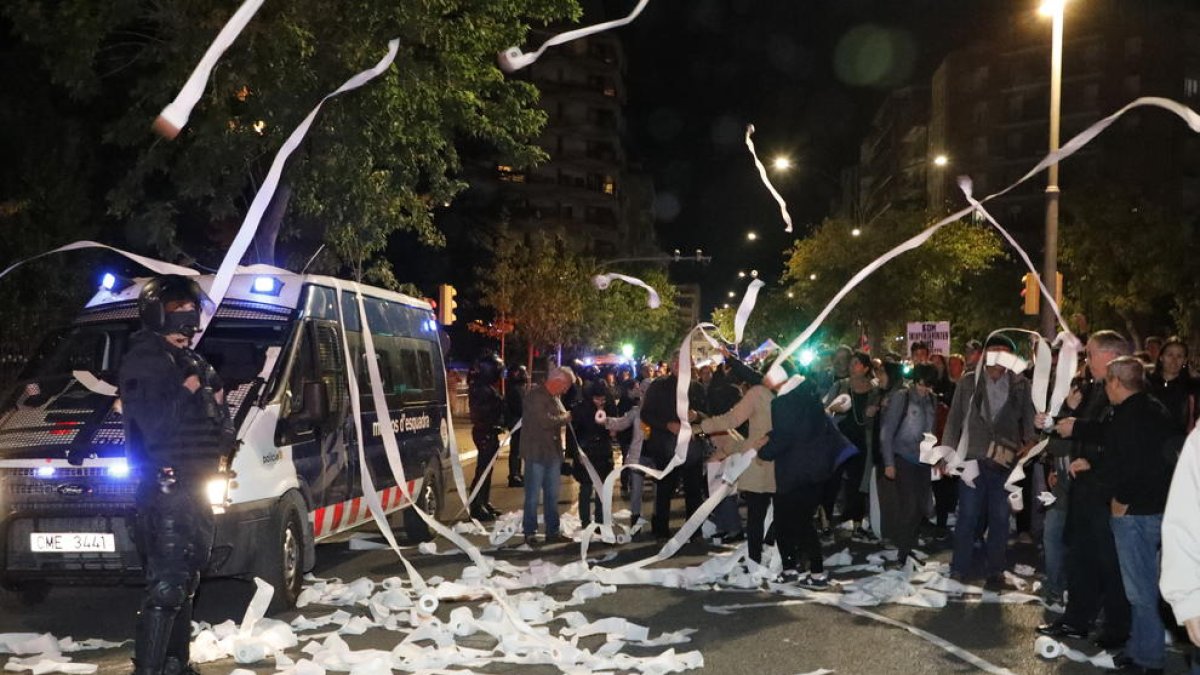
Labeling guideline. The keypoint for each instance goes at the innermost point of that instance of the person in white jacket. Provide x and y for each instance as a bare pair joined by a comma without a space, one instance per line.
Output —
1180,580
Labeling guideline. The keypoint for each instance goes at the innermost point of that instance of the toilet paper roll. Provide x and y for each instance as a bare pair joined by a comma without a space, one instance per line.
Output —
513,59
623,539
601,417
427,604
1016,501
1048,648
249,651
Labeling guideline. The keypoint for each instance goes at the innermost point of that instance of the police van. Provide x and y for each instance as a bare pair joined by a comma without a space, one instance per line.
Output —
293,479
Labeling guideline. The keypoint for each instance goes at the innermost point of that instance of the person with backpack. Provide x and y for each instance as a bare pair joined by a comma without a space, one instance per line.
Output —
909,417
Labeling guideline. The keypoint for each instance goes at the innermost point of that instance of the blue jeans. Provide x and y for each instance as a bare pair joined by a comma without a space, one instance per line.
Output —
984,504
1055,549
1138,539
542,481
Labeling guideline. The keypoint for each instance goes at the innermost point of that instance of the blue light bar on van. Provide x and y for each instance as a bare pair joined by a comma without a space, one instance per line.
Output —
266,286
119,470
45,471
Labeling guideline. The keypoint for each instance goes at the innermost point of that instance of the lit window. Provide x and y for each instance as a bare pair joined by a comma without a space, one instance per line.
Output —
1191,86
610,186
509,175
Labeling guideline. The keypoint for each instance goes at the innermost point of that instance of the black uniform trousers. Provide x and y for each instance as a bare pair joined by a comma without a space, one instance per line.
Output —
487,442
174,533
691,474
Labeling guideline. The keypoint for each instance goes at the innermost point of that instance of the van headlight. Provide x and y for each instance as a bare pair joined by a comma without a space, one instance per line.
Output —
218,491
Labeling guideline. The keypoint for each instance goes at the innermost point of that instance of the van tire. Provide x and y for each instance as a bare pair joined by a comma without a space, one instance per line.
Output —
429,498
23,595
282,563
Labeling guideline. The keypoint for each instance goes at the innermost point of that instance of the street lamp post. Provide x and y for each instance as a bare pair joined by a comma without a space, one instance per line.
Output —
1050,261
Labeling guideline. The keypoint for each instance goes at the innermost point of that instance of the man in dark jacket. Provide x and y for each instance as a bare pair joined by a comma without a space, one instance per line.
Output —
800,445
591,437
995,412
177,432
514,394
1093,570
487,415
658,412
1137,475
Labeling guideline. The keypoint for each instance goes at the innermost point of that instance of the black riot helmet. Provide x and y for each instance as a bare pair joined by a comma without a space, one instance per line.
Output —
156,300
487,370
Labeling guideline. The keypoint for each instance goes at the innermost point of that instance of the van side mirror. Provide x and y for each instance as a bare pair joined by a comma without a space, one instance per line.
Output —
316,401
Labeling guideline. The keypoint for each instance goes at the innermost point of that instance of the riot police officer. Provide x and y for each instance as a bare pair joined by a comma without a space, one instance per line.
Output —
487,413
178,433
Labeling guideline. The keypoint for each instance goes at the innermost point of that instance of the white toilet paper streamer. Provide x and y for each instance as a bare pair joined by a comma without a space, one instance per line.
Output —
1069,148
177,112
762,173
266,190
603,281
513,59
749,299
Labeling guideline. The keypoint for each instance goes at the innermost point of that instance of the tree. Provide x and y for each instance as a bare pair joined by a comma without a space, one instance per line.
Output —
775,316
935,280
1123,258
375,162
620,314
539,285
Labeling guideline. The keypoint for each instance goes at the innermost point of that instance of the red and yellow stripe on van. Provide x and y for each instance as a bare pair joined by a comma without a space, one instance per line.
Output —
329,520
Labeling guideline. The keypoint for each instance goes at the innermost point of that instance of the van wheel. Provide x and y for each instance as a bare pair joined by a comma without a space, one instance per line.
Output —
282,561
23,595
429,499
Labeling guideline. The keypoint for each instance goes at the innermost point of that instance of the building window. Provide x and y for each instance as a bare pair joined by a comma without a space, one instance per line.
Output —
1016,107
602,117
980,146
508,174
600,150
600,216
610,186
1133,84
979,78
979,113
1191,87
1133,45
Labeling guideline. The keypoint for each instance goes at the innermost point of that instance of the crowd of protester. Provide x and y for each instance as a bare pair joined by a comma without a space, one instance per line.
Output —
838,454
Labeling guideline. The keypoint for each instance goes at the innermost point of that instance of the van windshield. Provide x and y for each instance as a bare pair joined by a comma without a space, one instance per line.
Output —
235,347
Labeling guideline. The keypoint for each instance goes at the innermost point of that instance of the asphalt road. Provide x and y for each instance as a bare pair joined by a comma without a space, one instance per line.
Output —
773,638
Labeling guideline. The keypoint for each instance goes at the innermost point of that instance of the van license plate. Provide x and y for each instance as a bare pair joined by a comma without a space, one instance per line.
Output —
72,542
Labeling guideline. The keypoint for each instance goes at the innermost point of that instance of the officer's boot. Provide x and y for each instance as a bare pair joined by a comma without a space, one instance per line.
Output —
180,643
153,634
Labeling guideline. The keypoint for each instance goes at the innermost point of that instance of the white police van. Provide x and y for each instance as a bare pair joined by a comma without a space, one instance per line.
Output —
277,343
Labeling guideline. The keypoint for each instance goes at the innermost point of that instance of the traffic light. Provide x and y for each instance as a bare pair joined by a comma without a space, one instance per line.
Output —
446,304
1032,294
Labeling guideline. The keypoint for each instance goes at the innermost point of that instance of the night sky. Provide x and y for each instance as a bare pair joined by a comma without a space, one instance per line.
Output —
809,75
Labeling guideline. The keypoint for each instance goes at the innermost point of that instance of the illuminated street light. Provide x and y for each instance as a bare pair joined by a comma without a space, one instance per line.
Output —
791,294
627,350
782,163
741,274
812,277
732,294
855,232
941,160
726,305
1051,8
753,274
751,236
